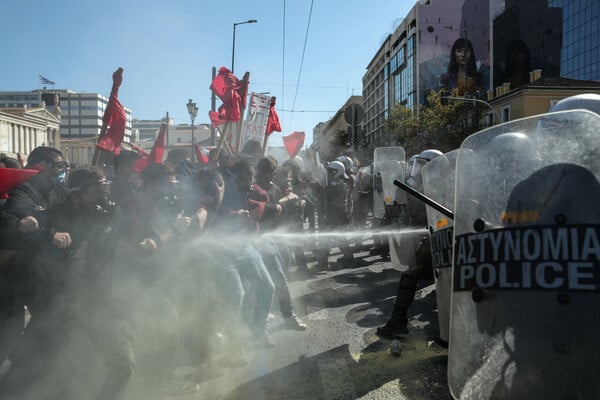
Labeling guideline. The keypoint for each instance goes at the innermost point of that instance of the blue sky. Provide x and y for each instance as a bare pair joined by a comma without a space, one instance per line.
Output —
167,49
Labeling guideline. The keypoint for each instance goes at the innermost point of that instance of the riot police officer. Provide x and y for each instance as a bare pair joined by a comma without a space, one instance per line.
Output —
410,252
333,213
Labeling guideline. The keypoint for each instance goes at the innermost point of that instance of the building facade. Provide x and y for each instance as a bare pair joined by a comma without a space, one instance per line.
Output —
147,129
537,96
81,113
506,40
329,143
24,128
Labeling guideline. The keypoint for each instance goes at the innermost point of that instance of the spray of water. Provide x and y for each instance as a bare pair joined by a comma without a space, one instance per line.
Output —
172,301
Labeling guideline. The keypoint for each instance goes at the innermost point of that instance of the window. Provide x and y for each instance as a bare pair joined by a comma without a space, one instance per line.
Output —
410,45
506,114
490,119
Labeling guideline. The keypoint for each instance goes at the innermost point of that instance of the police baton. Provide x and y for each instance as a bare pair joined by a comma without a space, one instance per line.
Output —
427,200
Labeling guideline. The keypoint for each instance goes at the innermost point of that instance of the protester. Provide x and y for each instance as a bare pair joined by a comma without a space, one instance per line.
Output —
243,206
126,181
274,251
24,232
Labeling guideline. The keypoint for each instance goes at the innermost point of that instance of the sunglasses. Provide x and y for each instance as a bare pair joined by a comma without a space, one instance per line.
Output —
60,166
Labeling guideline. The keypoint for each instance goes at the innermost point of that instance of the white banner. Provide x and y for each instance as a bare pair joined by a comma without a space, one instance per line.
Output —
256,121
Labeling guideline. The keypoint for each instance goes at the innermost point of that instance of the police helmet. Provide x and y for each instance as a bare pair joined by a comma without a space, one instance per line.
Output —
347,161
299,162
338,168
410,163
512,149
421,159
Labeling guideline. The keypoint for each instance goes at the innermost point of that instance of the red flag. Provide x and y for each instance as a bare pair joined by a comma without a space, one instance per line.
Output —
160,146
243,90
21,161
223,82
141,163
293,143
223,115
139,150
200,156
273,124
10,178
114,119
232,93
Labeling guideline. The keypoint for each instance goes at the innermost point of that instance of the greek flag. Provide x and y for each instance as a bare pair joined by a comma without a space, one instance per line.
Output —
45,81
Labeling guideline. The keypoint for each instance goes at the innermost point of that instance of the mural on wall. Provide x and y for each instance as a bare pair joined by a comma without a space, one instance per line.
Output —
453,47
462,76
471,46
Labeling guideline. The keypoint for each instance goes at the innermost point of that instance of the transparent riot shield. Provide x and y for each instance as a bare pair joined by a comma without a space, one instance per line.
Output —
526,274
388,165
438,184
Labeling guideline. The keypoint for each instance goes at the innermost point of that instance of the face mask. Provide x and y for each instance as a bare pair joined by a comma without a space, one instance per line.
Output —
60,178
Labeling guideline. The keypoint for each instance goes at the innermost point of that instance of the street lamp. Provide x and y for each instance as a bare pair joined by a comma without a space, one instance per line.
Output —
250,21
193,111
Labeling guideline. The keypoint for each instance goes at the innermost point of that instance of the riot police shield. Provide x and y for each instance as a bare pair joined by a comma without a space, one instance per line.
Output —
438,183
526,272
388,165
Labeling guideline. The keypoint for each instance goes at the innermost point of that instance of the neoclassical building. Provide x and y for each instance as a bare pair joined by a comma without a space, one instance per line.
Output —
24,128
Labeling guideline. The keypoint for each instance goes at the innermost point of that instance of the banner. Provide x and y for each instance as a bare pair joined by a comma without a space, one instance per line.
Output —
255,124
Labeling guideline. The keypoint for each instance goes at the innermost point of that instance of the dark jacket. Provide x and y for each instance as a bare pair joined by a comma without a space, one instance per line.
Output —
34,197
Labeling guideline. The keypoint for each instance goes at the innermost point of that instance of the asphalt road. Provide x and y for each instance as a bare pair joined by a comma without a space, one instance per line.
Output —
338,356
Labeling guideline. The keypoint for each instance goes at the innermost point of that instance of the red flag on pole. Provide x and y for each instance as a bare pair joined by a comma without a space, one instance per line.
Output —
141,162
200,156
157,154
114,119
273,124
221,116
293,143
232,93
223,82
242,90
139,150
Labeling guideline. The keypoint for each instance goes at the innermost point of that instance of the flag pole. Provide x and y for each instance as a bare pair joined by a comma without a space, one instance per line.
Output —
265,140
221,139
96,157
238,136
266,137
113,93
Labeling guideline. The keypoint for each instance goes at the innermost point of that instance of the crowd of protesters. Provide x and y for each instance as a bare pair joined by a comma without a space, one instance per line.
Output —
148,267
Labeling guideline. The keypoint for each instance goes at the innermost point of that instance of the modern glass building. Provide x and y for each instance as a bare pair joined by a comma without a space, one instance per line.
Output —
505,40
560,37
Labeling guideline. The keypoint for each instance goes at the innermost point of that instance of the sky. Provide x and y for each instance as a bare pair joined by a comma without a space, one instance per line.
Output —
168,48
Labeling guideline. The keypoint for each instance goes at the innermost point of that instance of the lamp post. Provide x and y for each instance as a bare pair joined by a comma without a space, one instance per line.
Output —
250,21
193,111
